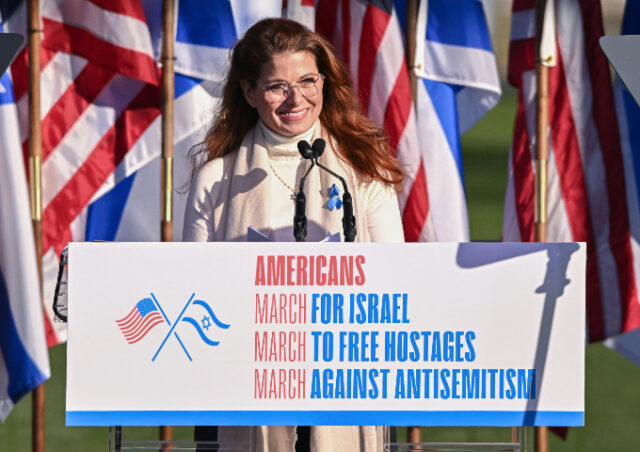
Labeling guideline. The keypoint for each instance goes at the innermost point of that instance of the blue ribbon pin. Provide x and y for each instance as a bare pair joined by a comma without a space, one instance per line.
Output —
334,199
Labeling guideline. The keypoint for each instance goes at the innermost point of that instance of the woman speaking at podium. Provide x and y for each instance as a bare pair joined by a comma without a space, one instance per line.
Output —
285,84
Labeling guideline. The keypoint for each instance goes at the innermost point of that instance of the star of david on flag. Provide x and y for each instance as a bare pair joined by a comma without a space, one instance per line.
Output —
203,319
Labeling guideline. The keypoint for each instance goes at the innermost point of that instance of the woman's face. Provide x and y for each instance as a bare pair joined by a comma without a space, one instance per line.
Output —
293,113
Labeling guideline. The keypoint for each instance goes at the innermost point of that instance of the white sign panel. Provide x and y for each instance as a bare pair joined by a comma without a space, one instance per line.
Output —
326,334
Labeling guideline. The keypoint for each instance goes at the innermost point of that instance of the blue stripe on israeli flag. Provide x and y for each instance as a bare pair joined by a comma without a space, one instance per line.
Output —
184,83
211,25
628,112
203,38
19,374
459,23
443,97
6,93
631,26
632,116
456,49
104,215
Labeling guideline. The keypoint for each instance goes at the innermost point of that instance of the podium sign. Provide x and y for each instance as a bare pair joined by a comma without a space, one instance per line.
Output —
326,334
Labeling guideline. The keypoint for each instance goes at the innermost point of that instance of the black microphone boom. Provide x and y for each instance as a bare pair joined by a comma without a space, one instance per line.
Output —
300,217
348,218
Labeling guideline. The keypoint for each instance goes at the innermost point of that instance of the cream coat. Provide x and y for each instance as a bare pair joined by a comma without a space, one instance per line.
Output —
232,193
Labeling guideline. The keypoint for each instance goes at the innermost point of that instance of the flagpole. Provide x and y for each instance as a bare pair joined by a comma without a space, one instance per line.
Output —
412,17
35,192
545,57
168,27
542,152
166,189
413,433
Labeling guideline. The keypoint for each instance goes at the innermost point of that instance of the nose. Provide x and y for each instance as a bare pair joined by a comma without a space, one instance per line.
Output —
294,95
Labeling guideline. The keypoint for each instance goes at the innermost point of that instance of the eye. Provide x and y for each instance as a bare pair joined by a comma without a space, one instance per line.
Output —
309,80
276,87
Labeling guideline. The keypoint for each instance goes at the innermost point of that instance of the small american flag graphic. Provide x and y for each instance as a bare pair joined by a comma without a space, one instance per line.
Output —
142,318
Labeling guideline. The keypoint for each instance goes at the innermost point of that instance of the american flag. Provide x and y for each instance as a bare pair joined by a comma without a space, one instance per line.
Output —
126,206
100,94
142,318
586,181
302,11
368,37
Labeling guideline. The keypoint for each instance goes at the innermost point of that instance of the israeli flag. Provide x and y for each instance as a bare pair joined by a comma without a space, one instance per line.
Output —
628,111
24,360
458,85
128,208
201,317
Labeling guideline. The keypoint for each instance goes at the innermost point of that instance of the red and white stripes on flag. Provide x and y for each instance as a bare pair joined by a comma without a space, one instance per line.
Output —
99,90
586,188
142,318
368,37
302,11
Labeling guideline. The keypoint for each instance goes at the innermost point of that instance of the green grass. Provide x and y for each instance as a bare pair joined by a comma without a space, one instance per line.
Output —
15,433
612,397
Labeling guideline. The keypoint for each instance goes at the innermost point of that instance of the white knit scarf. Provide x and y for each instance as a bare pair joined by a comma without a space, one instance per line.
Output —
248,193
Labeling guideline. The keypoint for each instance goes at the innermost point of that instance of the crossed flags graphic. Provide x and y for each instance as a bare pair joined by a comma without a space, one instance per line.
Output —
148,313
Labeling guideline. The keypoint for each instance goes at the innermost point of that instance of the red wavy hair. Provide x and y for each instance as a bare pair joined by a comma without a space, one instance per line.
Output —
361,143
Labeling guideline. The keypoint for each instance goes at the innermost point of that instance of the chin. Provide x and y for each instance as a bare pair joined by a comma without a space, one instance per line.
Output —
293,129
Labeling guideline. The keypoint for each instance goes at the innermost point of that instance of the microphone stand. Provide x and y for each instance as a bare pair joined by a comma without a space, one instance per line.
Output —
348,218
313,153
300,217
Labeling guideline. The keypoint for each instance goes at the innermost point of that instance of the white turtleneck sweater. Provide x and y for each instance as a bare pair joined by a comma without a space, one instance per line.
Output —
287,168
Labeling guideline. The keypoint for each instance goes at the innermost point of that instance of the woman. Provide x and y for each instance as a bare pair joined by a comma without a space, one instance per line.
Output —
285,84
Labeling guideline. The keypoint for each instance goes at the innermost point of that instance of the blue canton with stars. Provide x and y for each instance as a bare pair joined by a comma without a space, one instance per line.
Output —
145,306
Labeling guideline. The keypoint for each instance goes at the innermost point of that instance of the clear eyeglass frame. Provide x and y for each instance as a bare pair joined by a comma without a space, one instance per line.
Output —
279,91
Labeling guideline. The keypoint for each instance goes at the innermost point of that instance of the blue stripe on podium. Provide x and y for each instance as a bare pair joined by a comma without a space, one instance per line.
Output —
426,418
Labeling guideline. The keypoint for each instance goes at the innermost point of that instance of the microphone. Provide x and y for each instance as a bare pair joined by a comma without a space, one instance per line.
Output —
348,219
305,149
318,147
300,217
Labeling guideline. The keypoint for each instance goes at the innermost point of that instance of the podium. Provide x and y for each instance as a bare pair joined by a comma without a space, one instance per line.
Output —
443,334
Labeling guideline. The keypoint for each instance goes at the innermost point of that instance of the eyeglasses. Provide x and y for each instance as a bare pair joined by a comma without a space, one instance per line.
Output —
279,91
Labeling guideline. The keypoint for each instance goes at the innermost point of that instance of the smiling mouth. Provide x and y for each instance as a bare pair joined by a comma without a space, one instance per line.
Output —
294,115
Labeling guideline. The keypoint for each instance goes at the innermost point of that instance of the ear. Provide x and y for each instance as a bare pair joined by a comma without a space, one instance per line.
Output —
249,93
